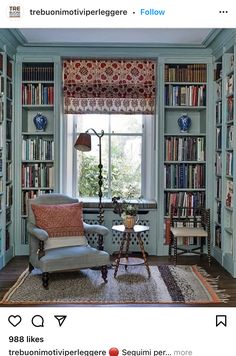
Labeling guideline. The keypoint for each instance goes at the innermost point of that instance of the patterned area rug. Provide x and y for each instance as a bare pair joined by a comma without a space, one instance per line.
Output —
168,284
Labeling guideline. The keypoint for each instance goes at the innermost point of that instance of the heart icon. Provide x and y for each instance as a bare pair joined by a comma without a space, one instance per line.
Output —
14,320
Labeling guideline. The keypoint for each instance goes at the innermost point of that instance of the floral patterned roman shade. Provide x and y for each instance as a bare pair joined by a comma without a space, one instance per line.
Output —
109,86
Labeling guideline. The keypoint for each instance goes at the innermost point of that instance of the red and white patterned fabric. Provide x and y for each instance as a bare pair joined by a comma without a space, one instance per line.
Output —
109,86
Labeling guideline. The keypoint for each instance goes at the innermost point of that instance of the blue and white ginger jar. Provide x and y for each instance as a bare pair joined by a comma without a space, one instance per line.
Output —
184,123
40,122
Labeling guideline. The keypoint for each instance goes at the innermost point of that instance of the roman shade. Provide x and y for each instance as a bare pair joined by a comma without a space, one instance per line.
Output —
114,86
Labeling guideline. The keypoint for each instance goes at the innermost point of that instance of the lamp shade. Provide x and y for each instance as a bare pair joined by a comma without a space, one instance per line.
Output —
83,142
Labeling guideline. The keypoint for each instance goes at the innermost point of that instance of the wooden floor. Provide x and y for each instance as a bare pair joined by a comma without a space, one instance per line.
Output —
10,273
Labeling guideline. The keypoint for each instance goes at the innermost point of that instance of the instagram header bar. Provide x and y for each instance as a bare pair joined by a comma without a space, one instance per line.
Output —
111,14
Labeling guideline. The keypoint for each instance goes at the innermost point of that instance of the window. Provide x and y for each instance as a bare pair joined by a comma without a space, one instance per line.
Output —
127,156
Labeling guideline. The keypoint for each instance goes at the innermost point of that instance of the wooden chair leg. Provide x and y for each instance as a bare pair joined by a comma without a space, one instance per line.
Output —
209,251
104,273
31,267
45,279
170,247
175,250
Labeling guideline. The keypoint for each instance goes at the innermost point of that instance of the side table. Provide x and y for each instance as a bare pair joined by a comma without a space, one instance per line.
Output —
126,238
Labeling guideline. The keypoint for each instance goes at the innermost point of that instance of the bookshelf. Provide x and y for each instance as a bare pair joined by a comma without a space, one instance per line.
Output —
37,141
185,93
218,157
184,152
6,158
228,153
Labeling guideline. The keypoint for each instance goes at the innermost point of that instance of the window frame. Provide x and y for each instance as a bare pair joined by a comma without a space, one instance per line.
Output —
148,154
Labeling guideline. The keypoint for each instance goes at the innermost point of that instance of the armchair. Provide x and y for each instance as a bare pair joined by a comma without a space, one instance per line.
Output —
63,253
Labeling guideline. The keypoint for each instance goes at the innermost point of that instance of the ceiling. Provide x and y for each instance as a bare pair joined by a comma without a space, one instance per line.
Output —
102,36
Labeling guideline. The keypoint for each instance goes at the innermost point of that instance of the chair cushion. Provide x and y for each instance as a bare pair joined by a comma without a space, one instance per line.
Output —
65,241
70,258
188,232
59,220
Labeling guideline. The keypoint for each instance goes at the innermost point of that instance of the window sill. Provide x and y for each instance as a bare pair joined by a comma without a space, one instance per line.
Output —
107,203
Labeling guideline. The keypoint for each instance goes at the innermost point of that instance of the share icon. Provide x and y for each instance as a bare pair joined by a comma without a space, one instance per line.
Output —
60,319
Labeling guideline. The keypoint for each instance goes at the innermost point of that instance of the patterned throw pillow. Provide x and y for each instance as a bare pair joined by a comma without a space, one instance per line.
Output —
60,220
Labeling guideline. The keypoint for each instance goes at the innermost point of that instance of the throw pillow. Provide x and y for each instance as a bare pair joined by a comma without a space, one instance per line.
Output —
60,220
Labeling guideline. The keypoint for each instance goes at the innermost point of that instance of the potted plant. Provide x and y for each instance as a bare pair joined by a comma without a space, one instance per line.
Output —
127,211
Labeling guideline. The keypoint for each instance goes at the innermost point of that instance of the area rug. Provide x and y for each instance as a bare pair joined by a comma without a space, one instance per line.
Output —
167,284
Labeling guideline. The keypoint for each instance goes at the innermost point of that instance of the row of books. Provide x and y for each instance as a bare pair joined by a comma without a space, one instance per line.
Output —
37,94
9,89
9,195
218,164
1,62
219,90
37,73
1,85
8,130
8,171
190,176
1,110
8,151
9,109
9,67
218,138
37,148
229,193
188,95
218,188
30,194
218,212
184,148
229,163
38,175
24,232
230,108
218,236
1,136
230,137
8,215
185,73
219,112
230,84
183,199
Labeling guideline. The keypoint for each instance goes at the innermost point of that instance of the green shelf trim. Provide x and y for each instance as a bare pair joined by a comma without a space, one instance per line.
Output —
37,82
37,161
37,188
180,162
185,83
229,177
185,135
184,107
184,189
24,133
229,209
229,230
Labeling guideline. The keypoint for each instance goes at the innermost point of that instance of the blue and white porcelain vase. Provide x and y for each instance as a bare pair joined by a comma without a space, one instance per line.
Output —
184,123
40,122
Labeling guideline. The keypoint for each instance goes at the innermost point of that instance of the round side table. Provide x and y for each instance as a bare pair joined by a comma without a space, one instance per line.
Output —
126,238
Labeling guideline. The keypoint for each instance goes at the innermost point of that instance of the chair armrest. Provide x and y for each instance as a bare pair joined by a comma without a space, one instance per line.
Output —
95,229
40,234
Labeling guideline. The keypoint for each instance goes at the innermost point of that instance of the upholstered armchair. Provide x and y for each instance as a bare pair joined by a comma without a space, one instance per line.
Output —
63,247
